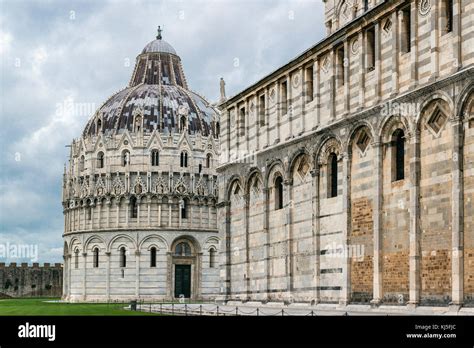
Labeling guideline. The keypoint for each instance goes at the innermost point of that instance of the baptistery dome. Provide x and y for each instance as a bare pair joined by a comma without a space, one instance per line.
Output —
140,190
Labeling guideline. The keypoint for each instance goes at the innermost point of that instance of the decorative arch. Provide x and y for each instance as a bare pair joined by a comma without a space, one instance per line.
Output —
296,158
390,125
109,246
329,146
465,103
274,166
90,239
195,246
234,180
427,102
155,236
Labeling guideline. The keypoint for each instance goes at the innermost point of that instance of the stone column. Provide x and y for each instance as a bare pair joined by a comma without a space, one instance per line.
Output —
457,39
266,193
317,92
148,202
137,273
434,40
377,216
332,87
315,173
84,277
395,53
457,200
65,274
288,206
108,203
69,277
227,251
414,44
107,276
347,66
378,62
415,252
362,68
139,203
246,198
346,215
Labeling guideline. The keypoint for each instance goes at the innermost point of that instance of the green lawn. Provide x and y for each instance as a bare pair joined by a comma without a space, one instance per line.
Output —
38,306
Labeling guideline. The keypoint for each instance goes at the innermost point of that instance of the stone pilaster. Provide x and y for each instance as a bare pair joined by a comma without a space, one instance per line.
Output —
315,173
345,216
457,260
107,276
395,54
377,216
84,276
434,40
137,273
415,252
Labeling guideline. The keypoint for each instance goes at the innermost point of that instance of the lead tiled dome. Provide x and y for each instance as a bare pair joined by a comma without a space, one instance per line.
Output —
158,92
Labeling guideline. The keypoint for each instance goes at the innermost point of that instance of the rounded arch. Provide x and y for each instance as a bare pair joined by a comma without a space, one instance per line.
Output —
91,238
438,95
465,103
390,124
330,145
273,167
153,236
111,242
354,132
194,243
72,243
230,185
253,173
295,158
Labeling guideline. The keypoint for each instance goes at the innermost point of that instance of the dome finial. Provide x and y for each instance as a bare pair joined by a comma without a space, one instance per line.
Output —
158,37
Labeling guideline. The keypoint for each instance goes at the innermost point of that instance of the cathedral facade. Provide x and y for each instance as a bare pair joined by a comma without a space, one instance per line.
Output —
347,175
140,191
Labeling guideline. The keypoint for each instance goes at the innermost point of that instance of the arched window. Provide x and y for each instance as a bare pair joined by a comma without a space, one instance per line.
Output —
332,175
125,158
208,160
96,258
218,129
184,159
153,257
99,126
100,160
183,207
183,249
81,163
123,257
155,158
133,207
76,258
398,155
212,257
182,123
279,193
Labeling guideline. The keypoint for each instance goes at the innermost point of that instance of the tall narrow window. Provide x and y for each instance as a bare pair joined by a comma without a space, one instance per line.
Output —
405,35
96,258
182,123
242,121
123,257
208,160
370,49
218,129
284,97
89,213
153,257
76,258
398,152
81,163
212,258
309,84
261,110
184,159
279,193
340,67
183,209
448,8
155,158
366,5
100,160
125,158
133,207
332,175
99,126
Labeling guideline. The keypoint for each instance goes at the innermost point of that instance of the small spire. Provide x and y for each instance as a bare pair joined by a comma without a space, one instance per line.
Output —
158,37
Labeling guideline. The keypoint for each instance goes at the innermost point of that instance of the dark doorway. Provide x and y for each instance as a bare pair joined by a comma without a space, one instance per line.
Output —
182,281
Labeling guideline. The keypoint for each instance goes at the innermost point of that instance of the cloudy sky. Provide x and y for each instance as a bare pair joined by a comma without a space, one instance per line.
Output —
54,53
